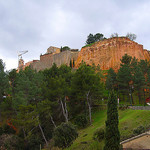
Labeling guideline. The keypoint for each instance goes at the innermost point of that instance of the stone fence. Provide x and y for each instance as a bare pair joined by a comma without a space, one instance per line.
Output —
139,107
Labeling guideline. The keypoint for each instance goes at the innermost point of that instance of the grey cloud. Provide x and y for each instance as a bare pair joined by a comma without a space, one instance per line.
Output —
37,24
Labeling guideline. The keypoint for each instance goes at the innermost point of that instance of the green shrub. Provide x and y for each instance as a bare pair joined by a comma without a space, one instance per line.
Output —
8,130
11,142
99,134
64,135
123,107
81,121
138,130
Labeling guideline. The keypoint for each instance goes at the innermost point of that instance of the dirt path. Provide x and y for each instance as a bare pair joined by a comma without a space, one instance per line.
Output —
139,143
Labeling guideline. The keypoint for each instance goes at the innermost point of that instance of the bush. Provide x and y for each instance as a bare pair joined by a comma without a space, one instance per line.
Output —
99,134
81,121
138,130
123,107
8,130
11,142
64,135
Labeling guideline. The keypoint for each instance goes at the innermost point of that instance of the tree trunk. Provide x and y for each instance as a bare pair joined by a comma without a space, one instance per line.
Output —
53,121
144,97
90,113
89,105
139,95
43,134
65,113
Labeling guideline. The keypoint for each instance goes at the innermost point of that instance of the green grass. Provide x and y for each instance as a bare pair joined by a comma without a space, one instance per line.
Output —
128,120
88,45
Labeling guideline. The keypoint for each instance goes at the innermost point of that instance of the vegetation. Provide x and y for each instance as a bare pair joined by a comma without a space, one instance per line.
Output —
112,135
131,36
128,120
34,104
99,134
94,38
64,135
64,48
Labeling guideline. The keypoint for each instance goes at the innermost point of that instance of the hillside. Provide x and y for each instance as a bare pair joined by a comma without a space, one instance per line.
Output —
128,120
107,53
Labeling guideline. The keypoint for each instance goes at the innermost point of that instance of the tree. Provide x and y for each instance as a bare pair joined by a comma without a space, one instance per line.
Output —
124,77
126,59
65,48
94,38
139,81
86,88
131,36
98,37
56,88
112,135
144,65
90,39
64,135
114,35
3,80
111,81
12,78
71,63
4,84
28,87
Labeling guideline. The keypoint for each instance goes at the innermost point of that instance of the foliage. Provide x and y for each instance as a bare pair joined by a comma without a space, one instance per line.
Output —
86,89
7,129
3,80
111,81
81,121
126,60
114,35
123,107
139,81
64,48
99,134
112,135
28,87
128,120
64,135
94,38
11,142
138,130
131,36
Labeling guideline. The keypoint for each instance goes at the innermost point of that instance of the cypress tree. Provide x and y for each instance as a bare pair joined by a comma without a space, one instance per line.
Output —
112,135
73,63
70,63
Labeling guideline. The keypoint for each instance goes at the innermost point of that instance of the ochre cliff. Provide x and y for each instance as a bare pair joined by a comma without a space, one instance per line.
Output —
107,53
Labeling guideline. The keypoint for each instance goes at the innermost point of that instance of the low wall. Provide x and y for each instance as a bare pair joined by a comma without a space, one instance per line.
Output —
139,107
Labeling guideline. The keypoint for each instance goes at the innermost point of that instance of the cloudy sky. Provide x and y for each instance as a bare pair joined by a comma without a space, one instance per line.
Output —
34,25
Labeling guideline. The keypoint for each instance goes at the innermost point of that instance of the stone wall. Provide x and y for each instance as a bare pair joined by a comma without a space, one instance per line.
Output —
53,50
47,60
140,107
107,53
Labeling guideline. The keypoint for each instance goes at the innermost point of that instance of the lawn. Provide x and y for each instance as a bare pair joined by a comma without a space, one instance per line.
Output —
128,120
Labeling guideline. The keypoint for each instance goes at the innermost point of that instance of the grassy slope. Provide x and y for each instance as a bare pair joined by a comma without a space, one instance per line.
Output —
128,120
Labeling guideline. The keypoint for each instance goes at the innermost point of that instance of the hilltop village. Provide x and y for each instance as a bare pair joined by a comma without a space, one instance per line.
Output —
78,105
106,53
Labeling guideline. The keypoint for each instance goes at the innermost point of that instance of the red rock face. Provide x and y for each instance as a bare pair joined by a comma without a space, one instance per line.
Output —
107,53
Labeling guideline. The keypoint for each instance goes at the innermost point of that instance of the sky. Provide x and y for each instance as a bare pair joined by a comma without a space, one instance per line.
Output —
35,25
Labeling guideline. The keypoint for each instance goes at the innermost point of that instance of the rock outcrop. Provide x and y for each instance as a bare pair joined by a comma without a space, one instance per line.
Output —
107,53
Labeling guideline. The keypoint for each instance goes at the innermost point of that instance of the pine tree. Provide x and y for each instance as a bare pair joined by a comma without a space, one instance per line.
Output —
139,81
124,77
111,81
70,63
112,135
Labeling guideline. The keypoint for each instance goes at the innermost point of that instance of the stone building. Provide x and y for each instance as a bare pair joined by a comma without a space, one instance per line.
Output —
106,53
